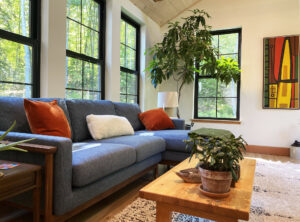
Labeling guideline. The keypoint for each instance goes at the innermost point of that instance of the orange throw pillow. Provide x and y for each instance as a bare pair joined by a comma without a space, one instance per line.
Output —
156,119
47,118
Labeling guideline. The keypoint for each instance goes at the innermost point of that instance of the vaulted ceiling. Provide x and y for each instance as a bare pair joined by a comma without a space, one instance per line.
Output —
164,11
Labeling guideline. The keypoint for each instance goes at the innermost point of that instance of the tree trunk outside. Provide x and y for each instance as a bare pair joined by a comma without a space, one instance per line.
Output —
27,52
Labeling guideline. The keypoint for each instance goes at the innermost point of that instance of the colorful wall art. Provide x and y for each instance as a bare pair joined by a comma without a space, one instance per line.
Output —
281,72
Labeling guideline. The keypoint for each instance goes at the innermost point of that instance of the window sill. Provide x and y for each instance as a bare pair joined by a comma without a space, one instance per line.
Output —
216,121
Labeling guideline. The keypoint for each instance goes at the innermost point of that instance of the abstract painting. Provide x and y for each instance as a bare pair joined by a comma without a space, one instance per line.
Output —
281,72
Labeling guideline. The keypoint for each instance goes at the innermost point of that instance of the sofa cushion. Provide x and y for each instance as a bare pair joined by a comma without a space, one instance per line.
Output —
174,138
79,109
106,126
145,147
92,161
47,118
12,108
130,111
156,119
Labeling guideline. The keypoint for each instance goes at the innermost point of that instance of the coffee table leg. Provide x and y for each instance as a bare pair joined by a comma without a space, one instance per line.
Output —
163,212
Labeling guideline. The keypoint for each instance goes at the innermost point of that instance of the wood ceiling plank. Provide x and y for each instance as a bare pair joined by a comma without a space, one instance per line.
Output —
164,11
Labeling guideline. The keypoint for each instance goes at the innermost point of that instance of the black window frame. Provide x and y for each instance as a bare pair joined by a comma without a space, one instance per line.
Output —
197,77
136,72
34,40
101,53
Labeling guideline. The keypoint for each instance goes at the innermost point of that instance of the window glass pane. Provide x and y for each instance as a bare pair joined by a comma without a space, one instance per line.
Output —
123,28
90,14
73,94
215,41
123,98
207,107
131,36
207,87
123,84
91,76
14,16
91,95
130,58
15,62
131,84
73,36
74,73
15,90
228,43
74,9
90,42
123,55
227,107
227,91
131,99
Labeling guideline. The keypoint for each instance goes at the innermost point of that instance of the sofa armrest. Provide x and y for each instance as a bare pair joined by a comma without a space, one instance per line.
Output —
179,123
62,162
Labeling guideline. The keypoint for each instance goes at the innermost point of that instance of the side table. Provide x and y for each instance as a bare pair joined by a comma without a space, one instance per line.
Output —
20,179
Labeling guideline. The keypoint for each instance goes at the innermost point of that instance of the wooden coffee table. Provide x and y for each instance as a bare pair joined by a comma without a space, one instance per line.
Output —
172,194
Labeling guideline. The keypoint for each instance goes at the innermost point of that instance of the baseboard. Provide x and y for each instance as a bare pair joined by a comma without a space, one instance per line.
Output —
270,150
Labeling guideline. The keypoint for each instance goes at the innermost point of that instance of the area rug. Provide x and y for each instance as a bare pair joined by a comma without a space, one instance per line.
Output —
276,195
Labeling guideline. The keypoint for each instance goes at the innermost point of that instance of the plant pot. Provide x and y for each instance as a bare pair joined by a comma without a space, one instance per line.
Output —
238,174
215,181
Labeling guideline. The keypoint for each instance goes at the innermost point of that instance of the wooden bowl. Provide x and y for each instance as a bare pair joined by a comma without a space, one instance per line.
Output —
190,175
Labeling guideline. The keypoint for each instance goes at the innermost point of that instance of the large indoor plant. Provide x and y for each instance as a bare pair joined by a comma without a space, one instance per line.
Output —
187,49
11,146
218,159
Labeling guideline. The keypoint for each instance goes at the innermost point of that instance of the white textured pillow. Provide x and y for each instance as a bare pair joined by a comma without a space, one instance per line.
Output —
105,126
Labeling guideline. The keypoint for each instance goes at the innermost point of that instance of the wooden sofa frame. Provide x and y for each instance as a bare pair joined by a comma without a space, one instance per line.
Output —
49,152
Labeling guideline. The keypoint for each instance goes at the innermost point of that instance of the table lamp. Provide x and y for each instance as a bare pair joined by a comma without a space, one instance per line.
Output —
169,102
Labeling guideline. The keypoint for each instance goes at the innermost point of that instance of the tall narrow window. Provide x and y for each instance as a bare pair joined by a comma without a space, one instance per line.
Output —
215,100
130,42
85,49
19,48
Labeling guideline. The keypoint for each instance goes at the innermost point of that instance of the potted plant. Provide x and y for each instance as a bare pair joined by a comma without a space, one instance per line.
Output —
11,146
218,160
187,49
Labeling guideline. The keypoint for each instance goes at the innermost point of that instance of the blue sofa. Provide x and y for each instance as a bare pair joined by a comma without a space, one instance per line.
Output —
83,168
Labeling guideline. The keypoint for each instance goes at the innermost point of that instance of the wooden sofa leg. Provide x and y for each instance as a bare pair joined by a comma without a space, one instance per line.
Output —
155,172
48,217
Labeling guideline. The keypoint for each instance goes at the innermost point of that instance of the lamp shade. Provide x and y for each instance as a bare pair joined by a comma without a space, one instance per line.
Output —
167,99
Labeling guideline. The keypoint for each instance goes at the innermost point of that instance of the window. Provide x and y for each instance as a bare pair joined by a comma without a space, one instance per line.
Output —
19,48
215,100
130,37
85,49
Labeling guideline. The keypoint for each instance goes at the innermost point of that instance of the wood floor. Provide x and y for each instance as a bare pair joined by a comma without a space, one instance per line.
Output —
115,203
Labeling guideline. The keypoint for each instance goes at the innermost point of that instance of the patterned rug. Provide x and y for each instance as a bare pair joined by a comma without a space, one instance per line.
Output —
276,197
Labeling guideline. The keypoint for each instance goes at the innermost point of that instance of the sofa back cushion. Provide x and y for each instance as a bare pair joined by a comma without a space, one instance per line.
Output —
79,109
130,111
12,108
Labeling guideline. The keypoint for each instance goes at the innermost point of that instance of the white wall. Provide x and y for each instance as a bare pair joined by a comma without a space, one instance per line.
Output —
53,48
53,52
258,19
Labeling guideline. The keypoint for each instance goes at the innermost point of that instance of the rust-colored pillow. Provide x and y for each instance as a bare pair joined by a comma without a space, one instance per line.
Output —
47,118
156,119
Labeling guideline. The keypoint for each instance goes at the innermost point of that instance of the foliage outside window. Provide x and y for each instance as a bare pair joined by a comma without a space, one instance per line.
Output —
129,76
85,49
213,99
19,48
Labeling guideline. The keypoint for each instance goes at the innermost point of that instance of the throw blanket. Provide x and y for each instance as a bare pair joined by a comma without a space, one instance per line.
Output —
210,132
